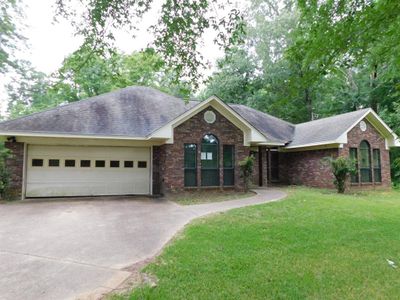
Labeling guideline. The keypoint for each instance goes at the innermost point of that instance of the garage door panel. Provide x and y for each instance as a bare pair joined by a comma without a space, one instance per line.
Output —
46,181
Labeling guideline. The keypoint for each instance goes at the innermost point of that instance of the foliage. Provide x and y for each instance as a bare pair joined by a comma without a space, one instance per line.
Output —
312,245
4,173
178,32
10,13
32,91
246,171
227,85
341,168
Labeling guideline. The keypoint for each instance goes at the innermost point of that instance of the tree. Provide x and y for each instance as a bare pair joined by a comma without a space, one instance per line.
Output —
29,91
32,91
9,33
349,34
178,32
236,79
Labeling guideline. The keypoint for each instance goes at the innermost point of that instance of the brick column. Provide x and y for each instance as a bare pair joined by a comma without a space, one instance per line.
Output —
264,155
15,165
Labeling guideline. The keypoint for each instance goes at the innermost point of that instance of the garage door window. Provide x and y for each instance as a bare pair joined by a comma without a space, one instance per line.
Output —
128,164
54,162
70,162
114,164
142,164
85,163
100,163
37,162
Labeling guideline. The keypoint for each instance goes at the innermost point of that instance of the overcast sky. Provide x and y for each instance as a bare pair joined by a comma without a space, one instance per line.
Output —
49,43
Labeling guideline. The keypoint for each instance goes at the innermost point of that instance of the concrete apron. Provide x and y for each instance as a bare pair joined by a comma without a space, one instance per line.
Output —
86,249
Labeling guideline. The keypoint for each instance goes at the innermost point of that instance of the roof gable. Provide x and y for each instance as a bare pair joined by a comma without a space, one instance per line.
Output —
251,133
333,130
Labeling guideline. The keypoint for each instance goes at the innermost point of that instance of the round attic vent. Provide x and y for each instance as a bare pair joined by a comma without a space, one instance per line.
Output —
209,116
363,126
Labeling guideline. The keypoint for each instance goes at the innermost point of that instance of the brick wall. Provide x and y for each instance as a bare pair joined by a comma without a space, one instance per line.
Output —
376,141
306,168
170,164
15,165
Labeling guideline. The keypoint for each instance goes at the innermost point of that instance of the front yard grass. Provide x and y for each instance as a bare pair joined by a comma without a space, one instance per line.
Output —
313,245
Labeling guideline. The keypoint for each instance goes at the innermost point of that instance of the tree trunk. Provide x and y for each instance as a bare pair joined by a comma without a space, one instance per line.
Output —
373,101
308,101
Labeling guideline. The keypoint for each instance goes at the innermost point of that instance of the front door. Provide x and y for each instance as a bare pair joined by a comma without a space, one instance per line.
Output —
209,161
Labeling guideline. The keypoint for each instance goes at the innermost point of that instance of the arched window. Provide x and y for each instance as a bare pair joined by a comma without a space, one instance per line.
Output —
365,162
210,160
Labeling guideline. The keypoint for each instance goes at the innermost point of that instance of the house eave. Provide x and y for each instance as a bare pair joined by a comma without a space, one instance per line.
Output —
5,134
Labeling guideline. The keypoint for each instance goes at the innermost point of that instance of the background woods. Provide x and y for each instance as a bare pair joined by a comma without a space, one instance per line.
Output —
296,59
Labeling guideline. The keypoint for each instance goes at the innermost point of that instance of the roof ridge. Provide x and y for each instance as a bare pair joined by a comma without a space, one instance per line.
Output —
334,116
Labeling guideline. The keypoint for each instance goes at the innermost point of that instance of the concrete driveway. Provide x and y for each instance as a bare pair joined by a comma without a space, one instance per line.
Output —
69,249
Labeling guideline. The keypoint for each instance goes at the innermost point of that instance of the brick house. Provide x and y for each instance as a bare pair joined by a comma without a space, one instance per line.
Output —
139,140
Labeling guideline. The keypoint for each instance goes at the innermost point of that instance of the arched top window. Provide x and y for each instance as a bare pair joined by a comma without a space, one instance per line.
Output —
364,145
210,139
365,162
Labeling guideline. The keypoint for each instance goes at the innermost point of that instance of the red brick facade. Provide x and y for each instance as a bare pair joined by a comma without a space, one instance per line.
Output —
376,141
15,165
306,168
169,159
302,167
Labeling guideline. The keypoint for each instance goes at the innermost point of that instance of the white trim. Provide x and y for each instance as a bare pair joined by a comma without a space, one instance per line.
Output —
151,171
313,144
24,170
80,136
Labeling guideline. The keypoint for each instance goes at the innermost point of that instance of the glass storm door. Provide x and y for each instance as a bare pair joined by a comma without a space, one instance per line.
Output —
209,161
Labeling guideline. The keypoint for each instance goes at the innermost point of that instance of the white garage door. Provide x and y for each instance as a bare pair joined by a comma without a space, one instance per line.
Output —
86,171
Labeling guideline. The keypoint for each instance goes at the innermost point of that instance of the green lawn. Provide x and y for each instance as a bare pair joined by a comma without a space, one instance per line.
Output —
314,245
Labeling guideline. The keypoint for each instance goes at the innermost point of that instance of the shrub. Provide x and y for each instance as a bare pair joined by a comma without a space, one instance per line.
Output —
341,168
4,173
246,171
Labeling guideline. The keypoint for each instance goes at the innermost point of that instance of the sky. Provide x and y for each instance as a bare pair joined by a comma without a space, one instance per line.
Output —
48,43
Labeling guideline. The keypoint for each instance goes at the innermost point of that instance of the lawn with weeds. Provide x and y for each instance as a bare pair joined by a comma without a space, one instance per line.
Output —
315,244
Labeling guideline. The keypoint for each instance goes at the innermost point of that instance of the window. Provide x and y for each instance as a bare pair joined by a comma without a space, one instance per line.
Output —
54,162
128,164
114,164
85,163
209,161
142,164
229,164
365,162
190,165
377,165
70,162
354,156
37,162
100,163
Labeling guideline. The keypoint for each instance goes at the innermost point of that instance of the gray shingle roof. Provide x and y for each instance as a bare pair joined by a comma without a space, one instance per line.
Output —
133,111
138,111
273,128
324,130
